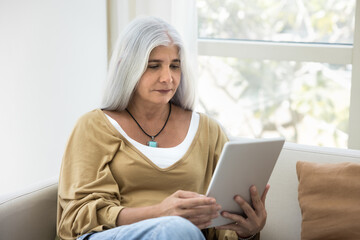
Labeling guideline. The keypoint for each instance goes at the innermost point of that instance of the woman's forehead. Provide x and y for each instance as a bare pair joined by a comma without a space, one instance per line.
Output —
167,52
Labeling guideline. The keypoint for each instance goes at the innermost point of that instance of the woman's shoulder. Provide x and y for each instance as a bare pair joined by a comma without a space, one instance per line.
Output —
212,130
93,120
89,117
209,121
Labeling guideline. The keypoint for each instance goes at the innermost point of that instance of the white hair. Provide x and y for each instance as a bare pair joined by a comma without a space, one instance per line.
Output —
130,59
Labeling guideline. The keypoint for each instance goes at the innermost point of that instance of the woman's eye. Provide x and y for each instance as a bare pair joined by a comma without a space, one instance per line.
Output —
153,66
175,66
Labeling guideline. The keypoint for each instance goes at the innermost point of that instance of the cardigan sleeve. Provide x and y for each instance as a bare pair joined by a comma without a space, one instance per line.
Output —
88,195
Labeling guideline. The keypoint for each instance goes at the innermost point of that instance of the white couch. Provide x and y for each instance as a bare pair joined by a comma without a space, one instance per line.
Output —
32,214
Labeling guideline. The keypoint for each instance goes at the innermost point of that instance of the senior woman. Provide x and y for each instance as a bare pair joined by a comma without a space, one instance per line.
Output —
138,167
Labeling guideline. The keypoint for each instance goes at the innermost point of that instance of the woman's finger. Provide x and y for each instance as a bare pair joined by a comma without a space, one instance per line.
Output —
246,207
200,219
210,211
255,199
193,199
236,218
263,196
186,194
197,202
240,228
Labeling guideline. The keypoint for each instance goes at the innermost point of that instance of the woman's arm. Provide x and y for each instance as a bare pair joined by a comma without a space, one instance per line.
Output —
198,209
88,195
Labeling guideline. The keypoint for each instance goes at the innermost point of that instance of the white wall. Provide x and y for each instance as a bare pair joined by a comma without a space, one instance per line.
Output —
53,59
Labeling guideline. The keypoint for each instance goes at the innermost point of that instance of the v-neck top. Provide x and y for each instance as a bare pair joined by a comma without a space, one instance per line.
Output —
163,157
102,173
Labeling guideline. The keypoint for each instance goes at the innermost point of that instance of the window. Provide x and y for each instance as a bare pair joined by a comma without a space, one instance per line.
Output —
278,68
325,21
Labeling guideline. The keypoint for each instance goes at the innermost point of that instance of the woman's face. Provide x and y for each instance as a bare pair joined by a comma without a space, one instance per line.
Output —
162,76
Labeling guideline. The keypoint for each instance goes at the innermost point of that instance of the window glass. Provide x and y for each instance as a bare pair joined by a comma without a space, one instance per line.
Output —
304,102
329,21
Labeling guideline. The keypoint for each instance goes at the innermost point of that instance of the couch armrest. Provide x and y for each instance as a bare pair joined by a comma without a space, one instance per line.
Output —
30,214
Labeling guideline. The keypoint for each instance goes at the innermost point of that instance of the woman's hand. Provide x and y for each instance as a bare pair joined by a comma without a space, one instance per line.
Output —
198,209
255,217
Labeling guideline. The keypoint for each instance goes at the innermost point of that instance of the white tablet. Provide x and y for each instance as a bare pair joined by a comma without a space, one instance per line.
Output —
242,164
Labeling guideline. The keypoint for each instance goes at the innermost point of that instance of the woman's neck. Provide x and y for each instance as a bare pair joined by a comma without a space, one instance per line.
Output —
149,112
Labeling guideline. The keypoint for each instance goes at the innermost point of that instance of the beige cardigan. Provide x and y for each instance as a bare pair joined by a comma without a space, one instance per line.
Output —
102,173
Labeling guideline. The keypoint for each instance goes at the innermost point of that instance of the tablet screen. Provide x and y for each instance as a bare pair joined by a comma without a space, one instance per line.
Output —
242,164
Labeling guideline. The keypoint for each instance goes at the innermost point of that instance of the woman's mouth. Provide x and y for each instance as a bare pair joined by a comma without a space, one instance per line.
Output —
164,91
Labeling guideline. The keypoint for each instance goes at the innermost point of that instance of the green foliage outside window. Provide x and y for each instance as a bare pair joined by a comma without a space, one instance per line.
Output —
304,102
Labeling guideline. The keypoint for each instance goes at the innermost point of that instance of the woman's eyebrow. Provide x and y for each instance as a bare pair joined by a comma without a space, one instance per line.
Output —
159,61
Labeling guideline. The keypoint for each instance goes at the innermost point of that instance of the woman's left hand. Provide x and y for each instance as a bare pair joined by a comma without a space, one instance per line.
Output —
255,216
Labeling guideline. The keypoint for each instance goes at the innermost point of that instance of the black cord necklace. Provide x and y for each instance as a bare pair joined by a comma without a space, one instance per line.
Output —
152,142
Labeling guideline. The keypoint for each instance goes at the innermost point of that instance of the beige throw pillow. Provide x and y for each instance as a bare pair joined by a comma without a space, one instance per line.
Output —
329,198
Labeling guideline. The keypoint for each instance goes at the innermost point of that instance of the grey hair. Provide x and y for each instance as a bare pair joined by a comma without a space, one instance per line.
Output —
130,58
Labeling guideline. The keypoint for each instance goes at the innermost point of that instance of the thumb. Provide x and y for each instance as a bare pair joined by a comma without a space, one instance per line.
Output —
263,196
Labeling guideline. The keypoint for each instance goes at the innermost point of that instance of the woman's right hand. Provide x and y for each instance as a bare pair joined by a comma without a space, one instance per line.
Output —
197,208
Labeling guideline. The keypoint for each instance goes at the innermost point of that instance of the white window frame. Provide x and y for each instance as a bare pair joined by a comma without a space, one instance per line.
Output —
308,52
354,118
183,13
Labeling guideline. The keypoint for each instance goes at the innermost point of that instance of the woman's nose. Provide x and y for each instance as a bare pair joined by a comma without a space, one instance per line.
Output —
166,75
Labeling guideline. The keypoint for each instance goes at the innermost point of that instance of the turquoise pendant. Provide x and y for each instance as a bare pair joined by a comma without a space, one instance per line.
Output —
152,143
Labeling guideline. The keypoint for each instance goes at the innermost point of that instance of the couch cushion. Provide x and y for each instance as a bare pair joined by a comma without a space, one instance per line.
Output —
329,196
284,214
30,214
